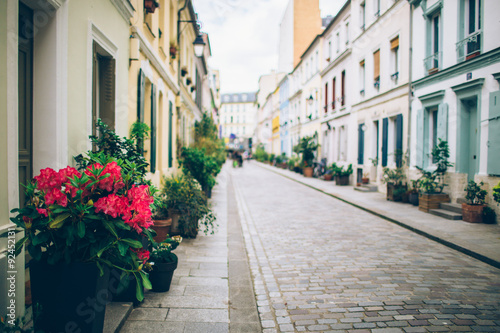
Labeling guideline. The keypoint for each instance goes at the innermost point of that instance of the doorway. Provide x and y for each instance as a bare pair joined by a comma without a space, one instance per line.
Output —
469,137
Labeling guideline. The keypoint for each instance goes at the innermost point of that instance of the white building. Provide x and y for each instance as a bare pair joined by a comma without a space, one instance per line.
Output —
455,84
237,115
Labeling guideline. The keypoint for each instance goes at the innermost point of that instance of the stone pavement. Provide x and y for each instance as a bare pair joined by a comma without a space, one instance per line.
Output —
322,265
481,241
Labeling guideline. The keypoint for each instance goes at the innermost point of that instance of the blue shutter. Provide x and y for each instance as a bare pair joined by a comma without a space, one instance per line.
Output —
442,122
141,88
420,138
399,140
385,139
361,144
494,134
170,119
153,128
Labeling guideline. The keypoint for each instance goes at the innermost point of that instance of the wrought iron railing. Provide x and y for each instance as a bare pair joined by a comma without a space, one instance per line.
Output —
433,62
469,47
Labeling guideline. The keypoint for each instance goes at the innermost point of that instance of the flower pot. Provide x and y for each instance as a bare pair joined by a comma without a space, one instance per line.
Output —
173,51
161,276
472,213
428,201
175,215
308,172
162,228
365,180
69,294
413,198
328,176
395,192
342,180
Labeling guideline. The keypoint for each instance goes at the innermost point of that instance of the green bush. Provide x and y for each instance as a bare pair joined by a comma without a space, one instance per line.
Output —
475,195
202,167
206,138
260,154
307,147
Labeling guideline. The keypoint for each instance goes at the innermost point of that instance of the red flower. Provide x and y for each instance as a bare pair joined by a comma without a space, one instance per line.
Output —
112,205
68,173
142,254
47,180
42,211
56,196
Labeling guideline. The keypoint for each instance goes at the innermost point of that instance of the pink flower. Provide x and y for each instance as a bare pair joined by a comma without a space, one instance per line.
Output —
56,196
142,254
112,205
42,211
68,173
47,180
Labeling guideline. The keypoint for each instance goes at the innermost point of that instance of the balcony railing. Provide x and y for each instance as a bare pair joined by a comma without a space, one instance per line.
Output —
469,47
433,62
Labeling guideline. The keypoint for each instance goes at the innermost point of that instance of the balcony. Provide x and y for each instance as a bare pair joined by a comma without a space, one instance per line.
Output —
469,47
433,62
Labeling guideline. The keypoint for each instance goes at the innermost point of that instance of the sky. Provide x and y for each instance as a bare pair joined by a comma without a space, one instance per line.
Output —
244,37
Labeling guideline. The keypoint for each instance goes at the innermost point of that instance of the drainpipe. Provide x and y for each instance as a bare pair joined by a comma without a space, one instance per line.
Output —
178,108
410,97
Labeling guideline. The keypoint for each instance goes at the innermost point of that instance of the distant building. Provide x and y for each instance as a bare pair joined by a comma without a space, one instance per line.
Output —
237,115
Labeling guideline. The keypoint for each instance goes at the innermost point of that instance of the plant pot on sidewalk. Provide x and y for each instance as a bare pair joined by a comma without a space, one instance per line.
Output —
428,201
162,229
413,198
365,180
161,276
328,177
63,292
308,171
174,215
342,180
472,213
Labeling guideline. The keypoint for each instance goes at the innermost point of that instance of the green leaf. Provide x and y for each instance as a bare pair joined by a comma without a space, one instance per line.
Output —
123,248
110,227
58,221
145,281
133,243
40,238
19,245
81,229
139,292
100,268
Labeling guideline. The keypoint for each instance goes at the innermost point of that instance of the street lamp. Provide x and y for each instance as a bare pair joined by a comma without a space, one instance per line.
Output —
199,46
310,100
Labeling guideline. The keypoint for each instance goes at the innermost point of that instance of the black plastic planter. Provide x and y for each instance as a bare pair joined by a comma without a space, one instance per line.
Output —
68,297
161,276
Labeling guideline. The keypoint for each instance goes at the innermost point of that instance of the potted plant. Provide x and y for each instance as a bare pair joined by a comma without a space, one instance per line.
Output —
366,178
413,193
162,222
162,263
187,206
307,147
150,6
472,209
496,193
201,166
328,174
431,183
173,50
341,175
77,226
394,178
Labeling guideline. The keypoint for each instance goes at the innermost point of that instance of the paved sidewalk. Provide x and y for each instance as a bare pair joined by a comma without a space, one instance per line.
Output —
481,241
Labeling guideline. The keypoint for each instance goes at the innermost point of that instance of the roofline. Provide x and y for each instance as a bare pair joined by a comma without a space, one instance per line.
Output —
348,2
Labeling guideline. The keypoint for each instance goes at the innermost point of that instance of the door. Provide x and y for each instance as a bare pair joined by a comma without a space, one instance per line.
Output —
25,86
470,137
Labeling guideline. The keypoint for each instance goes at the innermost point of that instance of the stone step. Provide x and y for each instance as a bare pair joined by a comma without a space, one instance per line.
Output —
456,208
366,188
446,214
116,315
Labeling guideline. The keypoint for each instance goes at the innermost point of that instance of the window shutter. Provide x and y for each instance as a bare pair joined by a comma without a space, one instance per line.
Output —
385,137
442,122
420,138
361,144
376,64
493,134
333,93
342,87
153,129
170,119
326,97
107,91
395,43
141,88
399,140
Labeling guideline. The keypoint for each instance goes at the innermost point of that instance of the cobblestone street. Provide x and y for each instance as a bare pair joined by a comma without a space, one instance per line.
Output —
322,265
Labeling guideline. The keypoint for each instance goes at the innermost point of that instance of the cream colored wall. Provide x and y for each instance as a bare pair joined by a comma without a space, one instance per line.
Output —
104,16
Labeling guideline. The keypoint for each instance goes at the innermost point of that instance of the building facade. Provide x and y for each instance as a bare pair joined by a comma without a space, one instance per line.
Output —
237,115
455,89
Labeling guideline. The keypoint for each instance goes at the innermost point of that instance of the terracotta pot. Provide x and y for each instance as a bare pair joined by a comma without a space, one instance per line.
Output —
472,213
342,180
428,201
308,172
328,176
162,228
365,180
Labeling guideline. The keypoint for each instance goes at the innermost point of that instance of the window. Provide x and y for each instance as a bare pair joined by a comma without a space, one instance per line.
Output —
329,50
362,16
470,32
333,93
316,67
362,77
376,69
338,41
342,87
395,59
326,97
432,61
103,88
231,119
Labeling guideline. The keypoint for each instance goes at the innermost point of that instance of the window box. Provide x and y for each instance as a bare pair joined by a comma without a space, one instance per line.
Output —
150,6
376,83
333,105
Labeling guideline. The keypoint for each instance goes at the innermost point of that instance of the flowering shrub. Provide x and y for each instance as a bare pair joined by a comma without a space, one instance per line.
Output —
98,215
